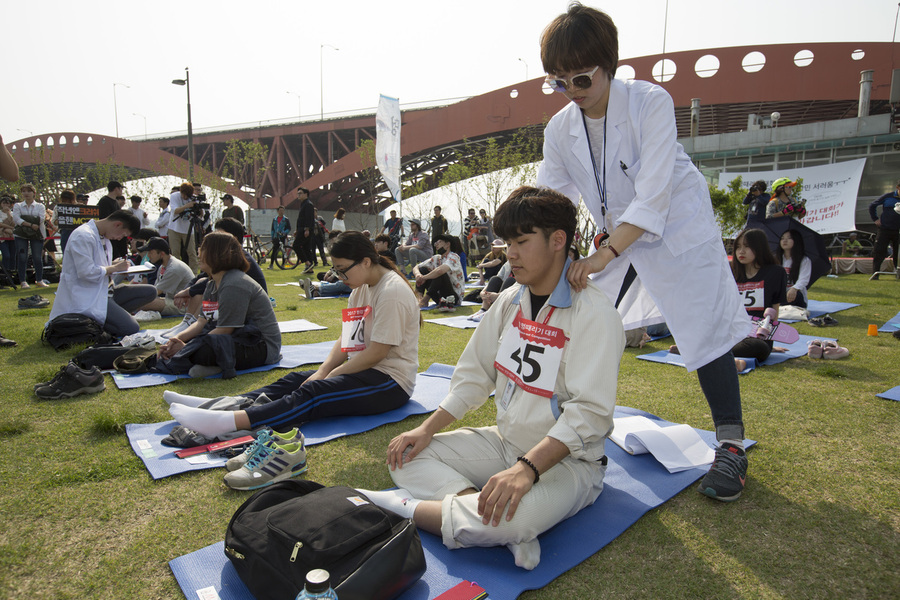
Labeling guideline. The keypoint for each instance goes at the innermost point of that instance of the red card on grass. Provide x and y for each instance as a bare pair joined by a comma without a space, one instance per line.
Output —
184,453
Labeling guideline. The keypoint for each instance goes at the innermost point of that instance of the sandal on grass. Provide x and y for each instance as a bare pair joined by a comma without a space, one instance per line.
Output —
831,350
815,349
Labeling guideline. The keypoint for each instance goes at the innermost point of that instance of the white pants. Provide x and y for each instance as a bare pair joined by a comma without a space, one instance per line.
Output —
467,458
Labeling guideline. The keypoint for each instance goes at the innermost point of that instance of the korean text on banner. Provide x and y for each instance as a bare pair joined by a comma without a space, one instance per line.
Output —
829,190
387,143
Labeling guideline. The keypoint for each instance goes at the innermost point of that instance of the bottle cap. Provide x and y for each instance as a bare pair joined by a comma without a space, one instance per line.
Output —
317,581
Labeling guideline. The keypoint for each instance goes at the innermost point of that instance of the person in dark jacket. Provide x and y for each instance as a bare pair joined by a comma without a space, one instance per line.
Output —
306,230
888,228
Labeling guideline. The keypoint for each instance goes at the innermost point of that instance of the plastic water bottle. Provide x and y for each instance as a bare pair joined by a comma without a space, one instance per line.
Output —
318,585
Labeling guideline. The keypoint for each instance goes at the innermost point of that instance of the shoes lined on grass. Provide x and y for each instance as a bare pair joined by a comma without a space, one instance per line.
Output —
71,381
447,304
826,321
832,351
6,342
269,464
725,479
266,437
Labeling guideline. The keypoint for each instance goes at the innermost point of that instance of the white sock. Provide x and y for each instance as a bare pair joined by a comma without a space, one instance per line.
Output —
399,501
176,398
211,423
527,554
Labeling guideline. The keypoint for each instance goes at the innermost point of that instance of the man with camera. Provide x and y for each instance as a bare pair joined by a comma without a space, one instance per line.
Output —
185,208
757,199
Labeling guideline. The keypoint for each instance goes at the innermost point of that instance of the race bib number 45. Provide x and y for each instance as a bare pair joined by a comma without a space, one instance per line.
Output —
753,293
530,355
354,322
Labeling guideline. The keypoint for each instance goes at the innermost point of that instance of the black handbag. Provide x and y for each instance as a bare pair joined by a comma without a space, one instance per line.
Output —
292,527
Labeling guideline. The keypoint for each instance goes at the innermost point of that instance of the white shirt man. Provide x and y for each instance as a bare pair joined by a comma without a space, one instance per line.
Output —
162,221
180,202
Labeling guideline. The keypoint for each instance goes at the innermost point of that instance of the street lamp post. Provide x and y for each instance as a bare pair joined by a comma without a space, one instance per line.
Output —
116,105
187,83
526,68
322,79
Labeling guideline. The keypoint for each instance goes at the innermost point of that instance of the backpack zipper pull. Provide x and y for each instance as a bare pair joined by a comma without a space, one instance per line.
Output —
297,547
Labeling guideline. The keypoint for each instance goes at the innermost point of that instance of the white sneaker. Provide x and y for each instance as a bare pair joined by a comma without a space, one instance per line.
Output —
147,315
141,338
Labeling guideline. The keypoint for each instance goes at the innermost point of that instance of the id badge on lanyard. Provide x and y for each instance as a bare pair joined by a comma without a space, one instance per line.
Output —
530,355
354,322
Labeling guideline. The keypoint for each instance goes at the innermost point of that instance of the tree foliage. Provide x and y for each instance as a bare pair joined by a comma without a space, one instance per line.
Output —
245,164
728,207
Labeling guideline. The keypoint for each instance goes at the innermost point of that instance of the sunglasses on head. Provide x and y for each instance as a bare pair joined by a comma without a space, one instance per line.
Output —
581,81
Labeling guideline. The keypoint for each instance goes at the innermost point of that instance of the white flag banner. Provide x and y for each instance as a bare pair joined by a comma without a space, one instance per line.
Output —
829,190
387,143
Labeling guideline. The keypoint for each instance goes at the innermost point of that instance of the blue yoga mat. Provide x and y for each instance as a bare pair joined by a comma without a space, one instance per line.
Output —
892,325
291,358
146,439
457,322
891,394
292,326
633,486
818,308
795,350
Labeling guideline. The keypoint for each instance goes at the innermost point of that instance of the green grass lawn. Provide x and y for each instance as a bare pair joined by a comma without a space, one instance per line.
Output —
819,517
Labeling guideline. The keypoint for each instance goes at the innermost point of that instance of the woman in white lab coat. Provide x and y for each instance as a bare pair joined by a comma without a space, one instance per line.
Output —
615,146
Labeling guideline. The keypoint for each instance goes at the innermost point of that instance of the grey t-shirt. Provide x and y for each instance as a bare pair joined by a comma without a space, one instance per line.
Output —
239,301
173,278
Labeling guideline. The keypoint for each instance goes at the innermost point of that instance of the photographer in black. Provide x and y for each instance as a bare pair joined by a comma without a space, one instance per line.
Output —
757,199
187,217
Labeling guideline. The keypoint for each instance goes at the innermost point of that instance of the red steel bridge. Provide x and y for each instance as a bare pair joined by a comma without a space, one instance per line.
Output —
803,82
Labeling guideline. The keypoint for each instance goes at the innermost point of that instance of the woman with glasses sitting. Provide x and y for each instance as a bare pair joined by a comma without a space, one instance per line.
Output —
371,368
615,145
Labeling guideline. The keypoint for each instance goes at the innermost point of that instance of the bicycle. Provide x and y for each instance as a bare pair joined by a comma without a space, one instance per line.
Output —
836,245
258,250
287,257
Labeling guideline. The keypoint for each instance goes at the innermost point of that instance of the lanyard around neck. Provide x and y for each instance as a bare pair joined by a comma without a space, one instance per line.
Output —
601,187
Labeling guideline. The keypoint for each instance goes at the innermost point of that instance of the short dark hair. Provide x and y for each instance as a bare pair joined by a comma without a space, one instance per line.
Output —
113,185
232,226
145,234
445,237
581,38
530,208
383,237
67,196
303,189
164,199
221,252
131,222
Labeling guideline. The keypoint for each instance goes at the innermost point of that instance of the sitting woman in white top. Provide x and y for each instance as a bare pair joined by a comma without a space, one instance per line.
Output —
86,271
236,329
371,368
790,253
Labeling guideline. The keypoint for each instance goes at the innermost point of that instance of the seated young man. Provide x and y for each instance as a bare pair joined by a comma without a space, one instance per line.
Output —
553,357
382,243
440,278
172,275
86,271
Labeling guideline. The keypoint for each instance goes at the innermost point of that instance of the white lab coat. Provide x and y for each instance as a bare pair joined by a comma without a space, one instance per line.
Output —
83,282
652,184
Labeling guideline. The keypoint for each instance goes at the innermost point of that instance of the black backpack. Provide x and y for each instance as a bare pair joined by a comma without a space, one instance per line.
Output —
100,356
72,329
292,527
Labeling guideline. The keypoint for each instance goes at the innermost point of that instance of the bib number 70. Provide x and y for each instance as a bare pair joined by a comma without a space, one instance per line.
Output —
521,357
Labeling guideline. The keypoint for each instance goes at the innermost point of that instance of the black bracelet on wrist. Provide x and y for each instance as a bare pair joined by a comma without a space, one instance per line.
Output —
537,475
